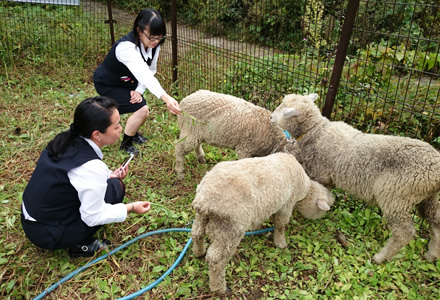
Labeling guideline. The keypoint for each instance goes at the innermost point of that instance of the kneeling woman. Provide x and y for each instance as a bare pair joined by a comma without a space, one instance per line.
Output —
72,192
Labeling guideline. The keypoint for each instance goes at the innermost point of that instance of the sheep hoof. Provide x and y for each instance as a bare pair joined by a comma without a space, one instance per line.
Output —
429,257
282,245
199,255
199,251
379,259
225,292
201,160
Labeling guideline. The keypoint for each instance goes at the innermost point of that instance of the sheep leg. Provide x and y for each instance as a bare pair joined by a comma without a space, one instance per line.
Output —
429,210
198,235
180,159
219,253
184,146
402,231
200,154
281,220
242,152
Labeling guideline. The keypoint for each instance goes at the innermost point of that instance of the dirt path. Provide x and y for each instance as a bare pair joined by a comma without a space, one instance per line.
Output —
187,37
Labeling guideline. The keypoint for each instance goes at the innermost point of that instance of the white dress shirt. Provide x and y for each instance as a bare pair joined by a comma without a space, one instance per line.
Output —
90,181
129,54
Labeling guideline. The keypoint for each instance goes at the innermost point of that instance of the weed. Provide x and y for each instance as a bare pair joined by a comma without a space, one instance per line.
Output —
314,266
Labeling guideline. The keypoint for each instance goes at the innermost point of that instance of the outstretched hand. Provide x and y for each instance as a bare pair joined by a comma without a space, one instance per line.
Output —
141,207
172,104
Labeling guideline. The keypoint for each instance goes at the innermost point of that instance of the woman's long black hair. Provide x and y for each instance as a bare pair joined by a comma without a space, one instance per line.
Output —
90,115
152,19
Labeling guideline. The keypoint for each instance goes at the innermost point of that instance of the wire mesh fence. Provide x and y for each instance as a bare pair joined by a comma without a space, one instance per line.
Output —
391,82
261,50
33,30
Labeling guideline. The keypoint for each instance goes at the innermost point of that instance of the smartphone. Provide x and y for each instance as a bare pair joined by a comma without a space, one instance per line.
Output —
127,160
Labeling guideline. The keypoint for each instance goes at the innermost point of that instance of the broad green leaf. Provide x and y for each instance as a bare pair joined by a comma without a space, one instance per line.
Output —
399,56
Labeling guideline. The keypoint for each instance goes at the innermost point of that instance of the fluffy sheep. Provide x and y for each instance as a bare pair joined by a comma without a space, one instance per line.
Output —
225,121
394,173
237,196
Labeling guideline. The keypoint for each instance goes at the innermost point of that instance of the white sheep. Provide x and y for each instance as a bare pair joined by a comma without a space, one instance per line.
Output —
237,196
394,173
225,121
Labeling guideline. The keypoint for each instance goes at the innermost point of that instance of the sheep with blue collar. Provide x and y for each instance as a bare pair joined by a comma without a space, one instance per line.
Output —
224,121
237,196
394,173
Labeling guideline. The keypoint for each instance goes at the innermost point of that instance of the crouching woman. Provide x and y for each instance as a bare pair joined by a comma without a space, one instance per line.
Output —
72,192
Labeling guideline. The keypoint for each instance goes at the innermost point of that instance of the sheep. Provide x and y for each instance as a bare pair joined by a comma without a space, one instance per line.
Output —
236,196
224,121
394,173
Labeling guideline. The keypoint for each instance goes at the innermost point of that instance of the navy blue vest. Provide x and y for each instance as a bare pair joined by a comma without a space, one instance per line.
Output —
49,196
112,72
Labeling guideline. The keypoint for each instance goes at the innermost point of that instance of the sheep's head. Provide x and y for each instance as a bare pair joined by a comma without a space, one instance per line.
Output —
293,112
317,202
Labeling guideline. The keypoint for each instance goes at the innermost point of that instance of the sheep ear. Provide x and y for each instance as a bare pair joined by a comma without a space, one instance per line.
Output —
290,112
323,205
313,97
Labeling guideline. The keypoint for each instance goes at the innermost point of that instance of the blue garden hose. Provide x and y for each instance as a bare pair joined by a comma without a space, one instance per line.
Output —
150,286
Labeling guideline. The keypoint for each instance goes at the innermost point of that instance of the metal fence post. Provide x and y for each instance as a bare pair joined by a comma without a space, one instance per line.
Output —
341,53
110,21
174,39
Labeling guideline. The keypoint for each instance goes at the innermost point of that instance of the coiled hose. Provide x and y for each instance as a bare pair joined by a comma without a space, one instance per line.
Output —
150,286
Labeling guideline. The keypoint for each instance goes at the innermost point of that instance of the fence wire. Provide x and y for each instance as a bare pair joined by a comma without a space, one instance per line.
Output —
261,50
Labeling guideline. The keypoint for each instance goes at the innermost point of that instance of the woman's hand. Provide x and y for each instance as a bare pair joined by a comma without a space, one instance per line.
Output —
120,172
135,97
172,104
139,207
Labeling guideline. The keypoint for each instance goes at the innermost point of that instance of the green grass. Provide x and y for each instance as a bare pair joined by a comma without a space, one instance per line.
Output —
317,264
